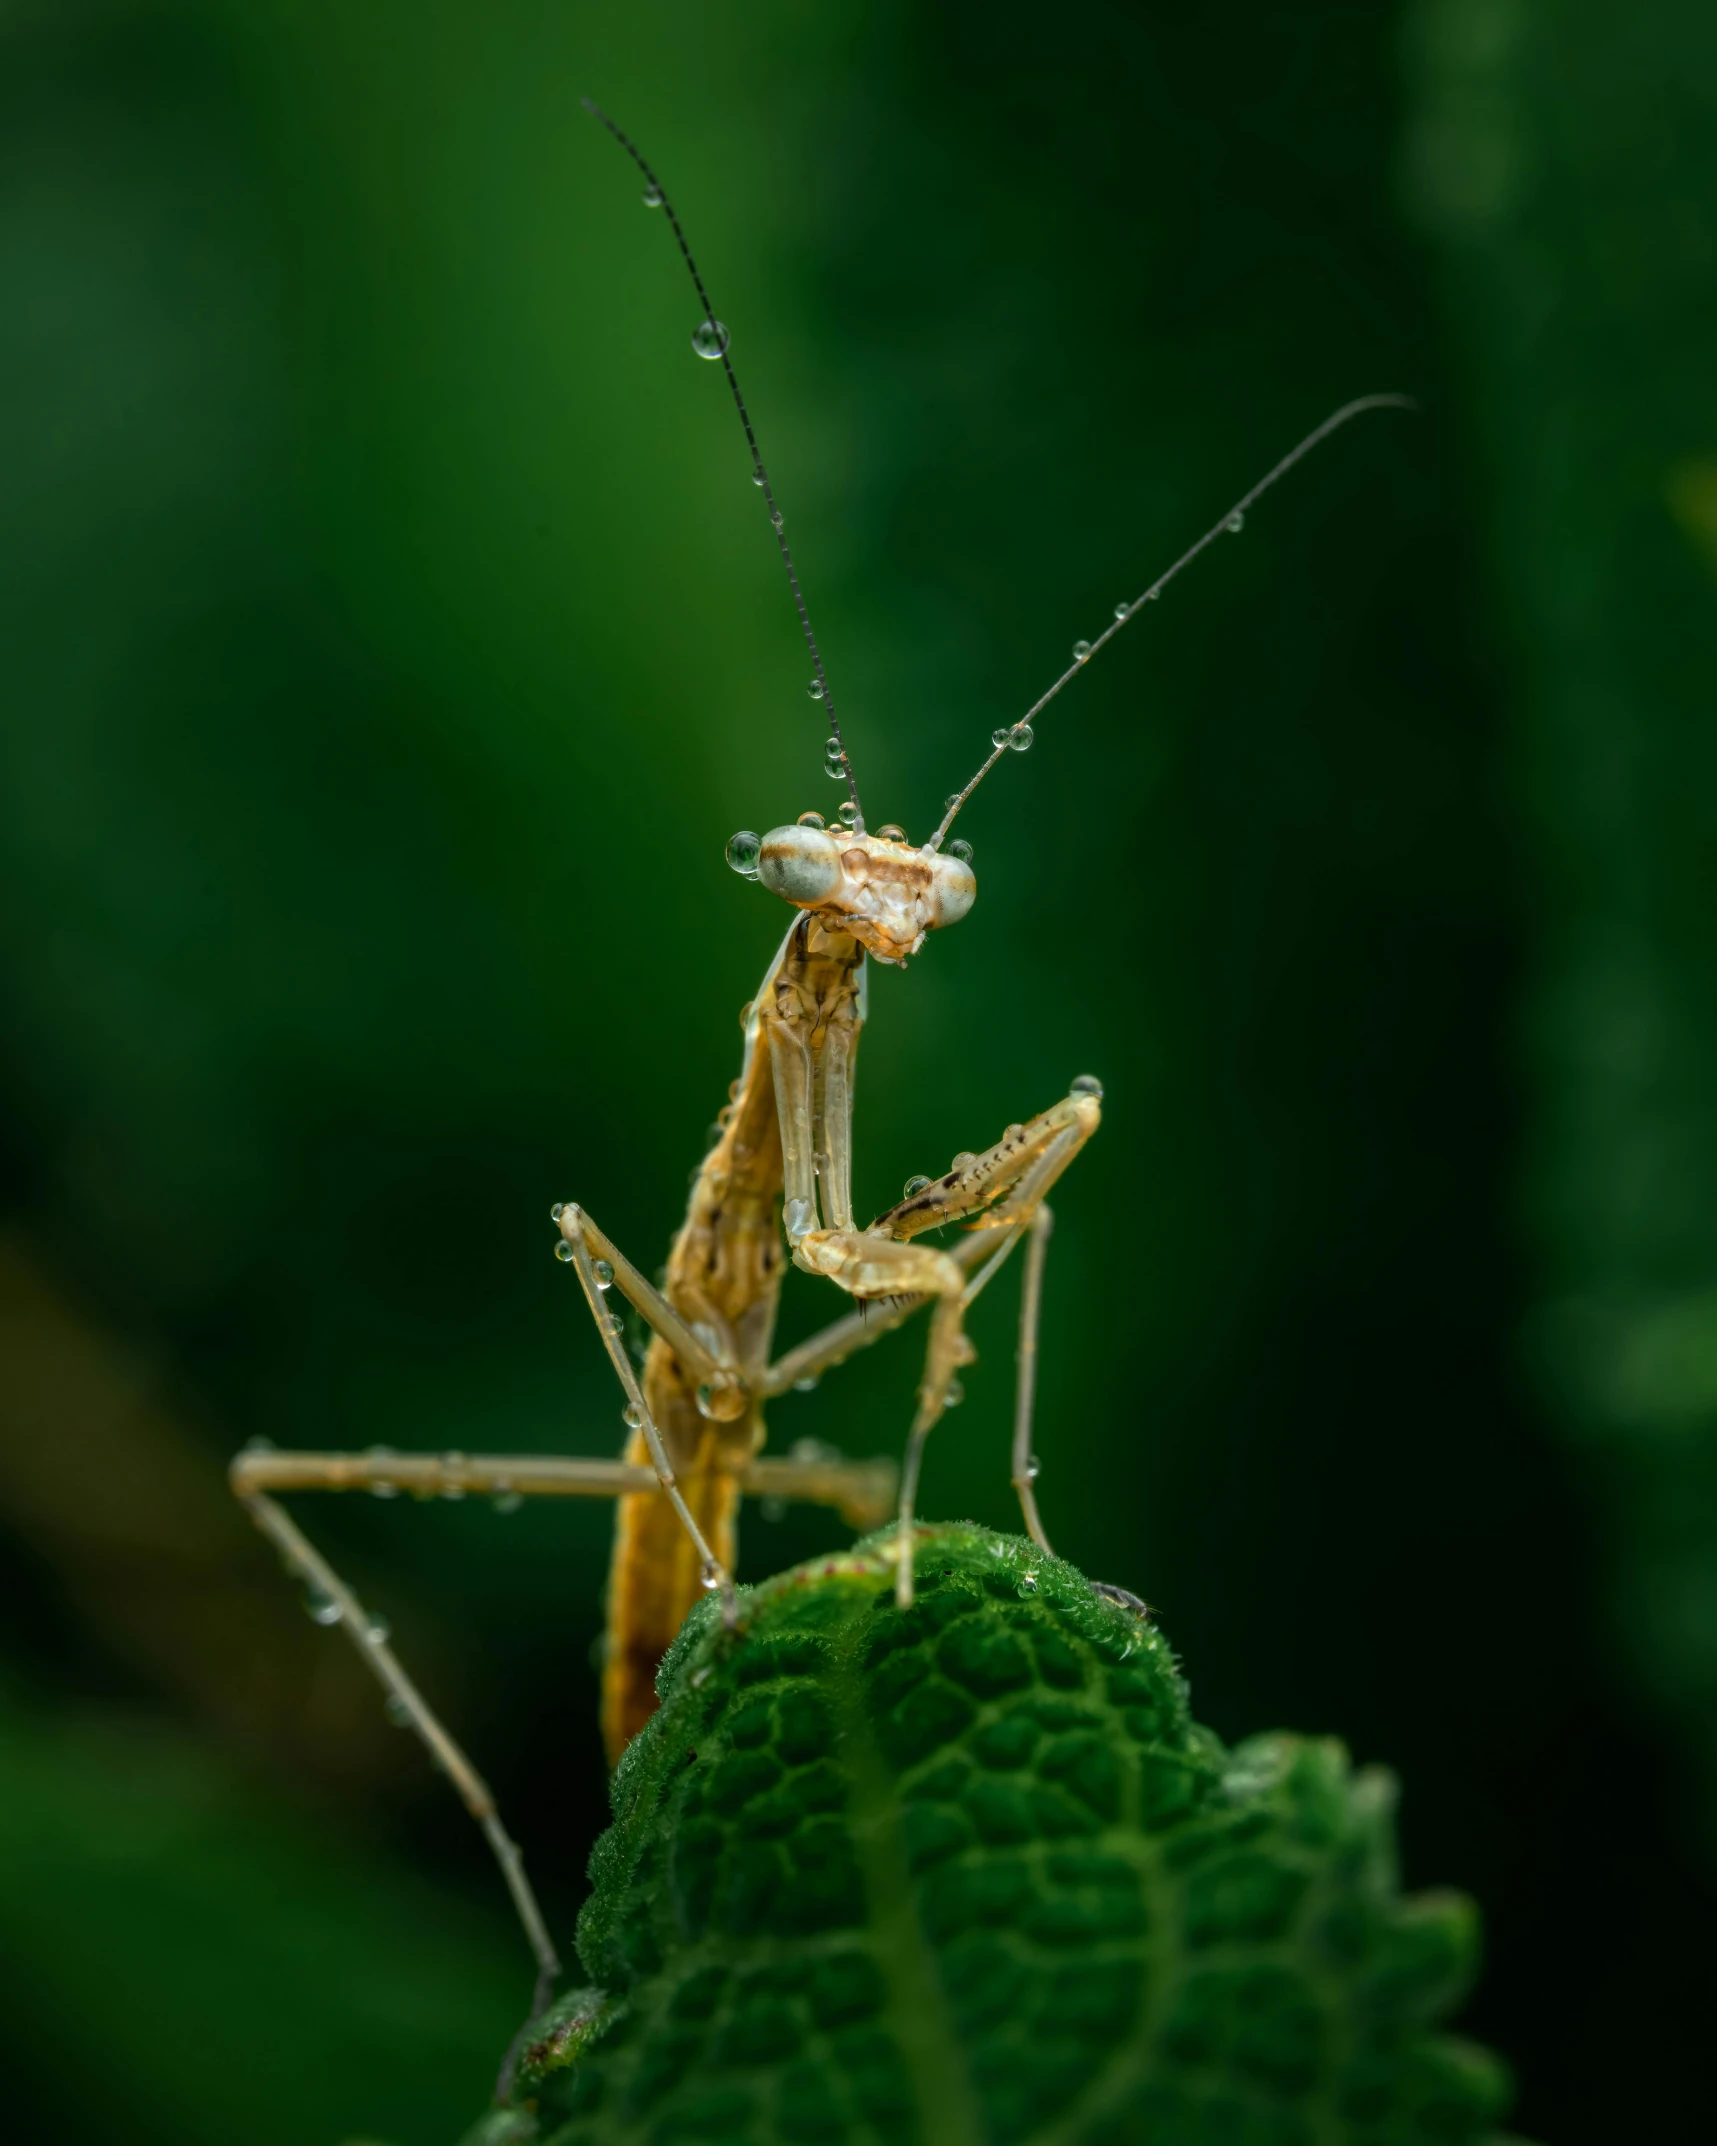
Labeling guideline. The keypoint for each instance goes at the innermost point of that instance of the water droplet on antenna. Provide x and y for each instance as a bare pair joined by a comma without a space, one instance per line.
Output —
849,812
709,1577
757,478
1081,649
743,851
632,1416
321,1606
1121,611
604,1274
709,338
955,1395
1018,739
378,1632
1235,523
396,1710
815,689
1033,1469
652,196
506,1499
563,1250
777,518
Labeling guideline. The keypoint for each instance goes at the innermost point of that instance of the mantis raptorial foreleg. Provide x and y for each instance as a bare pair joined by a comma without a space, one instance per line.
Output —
1002,1189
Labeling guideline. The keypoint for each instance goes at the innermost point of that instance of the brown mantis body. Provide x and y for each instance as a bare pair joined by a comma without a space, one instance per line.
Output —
780,1166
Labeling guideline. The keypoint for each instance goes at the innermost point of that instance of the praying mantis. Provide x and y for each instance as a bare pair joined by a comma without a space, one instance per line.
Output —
774,1187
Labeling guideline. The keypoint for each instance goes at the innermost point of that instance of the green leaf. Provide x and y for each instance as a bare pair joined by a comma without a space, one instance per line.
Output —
972,1873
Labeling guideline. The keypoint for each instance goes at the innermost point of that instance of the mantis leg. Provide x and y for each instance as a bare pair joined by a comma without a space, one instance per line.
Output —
1002,1189
577,1234
863,1490
335,1603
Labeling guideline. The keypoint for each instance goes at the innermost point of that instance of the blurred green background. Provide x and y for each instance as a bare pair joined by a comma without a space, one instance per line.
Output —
392,639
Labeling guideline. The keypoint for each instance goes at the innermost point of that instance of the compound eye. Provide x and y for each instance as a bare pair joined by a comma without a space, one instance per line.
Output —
953,890
801,864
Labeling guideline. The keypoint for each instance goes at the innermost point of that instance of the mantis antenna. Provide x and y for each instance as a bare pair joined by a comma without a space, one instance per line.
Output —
710,340
1017,736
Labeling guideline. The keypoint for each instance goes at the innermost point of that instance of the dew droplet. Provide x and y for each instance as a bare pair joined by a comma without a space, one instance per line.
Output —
950,801
1028,1583
454,1463
757,478
963,1161
960,849
652,196
848,812
706,1400
835,766
604,1274
955,1395
743,851
1087,1084
812,819
1013,1133
914,1186
632,1416
815,689
321,1606
891,833
710,338
563,1250
1235,523
557,1210
378,1631
1033,1469
805,1385
1020,737
1081,649
396,1710
506,1499
798,1216
1121,611
709,1576
998,737
699,1677
611,1323
777,518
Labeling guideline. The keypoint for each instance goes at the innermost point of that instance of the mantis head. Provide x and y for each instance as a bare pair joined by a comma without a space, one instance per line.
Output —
879,888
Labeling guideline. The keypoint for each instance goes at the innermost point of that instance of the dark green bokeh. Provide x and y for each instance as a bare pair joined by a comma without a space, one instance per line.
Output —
393,639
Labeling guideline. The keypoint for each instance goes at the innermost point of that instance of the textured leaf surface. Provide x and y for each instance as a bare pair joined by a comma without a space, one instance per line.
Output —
973,1873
